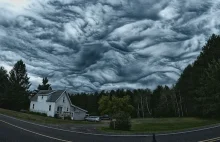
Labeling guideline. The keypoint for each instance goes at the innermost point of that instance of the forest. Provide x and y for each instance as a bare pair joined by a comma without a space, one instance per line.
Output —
196,92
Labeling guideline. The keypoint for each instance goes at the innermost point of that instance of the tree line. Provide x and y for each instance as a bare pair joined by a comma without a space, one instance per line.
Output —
161,102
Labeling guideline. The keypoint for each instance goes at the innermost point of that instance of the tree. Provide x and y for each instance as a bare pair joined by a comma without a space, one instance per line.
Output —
19,85
189,82
123,121
3,88
155,100
208,94
111,107
119,108
45,85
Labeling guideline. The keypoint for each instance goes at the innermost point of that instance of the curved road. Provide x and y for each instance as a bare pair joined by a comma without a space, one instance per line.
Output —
12,129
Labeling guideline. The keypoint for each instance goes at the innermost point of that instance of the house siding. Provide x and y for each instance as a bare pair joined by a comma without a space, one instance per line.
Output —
43,107
77,114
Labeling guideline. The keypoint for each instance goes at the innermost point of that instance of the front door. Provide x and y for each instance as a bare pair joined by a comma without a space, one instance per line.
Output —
59,110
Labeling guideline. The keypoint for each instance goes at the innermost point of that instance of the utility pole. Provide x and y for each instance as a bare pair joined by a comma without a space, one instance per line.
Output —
154,138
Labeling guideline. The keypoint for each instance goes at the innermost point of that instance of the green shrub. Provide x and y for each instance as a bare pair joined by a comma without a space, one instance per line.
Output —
123,121
56,116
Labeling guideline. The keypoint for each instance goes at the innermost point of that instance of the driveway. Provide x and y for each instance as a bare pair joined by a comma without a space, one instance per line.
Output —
12,129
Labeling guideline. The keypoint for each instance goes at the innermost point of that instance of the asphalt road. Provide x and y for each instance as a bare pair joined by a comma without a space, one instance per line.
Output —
14,130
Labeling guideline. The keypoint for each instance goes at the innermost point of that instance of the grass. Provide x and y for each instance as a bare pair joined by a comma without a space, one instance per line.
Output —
39,119
147,125
158,125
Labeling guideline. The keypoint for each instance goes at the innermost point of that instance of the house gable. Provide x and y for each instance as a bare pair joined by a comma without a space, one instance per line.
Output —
63,102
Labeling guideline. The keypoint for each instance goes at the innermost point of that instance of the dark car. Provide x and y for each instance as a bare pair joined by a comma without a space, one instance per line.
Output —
105,117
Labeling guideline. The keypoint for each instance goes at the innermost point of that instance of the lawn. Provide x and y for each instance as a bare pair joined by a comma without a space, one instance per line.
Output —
158,125
38,118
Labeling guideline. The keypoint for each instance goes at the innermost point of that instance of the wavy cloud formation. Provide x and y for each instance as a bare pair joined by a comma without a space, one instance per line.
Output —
105,44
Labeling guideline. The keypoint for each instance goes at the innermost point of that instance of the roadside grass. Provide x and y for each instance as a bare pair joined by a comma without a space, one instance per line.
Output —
40,119
158,125
139,126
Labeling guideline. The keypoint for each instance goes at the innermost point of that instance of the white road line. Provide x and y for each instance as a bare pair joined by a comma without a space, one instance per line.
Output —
34,132
110,135
106,135
211,140
196,130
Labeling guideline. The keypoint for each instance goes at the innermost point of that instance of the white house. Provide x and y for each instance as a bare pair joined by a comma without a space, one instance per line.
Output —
57,102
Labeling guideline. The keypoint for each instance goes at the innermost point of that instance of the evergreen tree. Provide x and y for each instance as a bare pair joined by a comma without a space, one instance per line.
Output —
19,85
189,82
154,102
208,94
3,88
45,85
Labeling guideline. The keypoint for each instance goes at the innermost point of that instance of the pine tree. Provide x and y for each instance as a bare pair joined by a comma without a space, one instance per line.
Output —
3,88
19,85
45,85
208,94
189,81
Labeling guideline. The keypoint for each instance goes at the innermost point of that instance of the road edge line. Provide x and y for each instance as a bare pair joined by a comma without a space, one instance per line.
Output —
33,132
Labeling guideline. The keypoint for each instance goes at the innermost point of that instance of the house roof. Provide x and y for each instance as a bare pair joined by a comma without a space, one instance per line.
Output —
45,92
79,108
41,93
55,95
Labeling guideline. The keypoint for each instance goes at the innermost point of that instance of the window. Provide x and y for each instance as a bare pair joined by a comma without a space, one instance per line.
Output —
63,99
33,106
67,109
49,107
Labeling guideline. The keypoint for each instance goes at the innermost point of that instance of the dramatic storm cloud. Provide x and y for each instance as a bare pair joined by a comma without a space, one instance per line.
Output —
90,45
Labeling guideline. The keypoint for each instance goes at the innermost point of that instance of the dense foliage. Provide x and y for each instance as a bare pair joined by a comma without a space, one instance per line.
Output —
111,106
161,102
122,121
4,83
198,84
15,87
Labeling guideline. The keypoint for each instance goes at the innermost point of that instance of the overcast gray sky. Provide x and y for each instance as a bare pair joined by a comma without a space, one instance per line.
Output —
90,45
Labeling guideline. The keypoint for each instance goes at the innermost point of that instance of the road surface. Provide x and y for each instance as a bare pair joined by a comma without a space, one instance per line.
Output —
15,130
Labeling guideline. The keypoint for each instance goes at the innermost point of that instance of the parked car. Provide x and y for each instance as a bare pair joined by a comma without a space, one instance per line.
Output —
93,118
105,117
